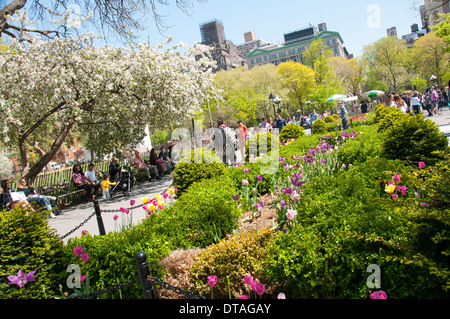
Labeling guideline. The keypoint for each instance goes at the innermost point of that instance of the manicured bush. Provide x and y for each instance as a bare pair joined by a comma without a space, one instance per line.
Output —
29,244
319,127
188,172
329,119
291,131
388,116
202,216
358,150
111,257
414,139
230,260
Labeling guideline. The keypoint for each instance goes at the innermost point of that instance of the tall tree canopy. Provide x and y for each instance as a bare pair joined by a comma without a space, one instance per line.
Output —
68,85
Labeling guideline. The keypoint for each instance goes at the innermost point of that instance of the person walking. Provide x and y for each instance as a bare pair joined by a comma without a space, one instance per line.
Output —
105,187
313,117
243,135
415,103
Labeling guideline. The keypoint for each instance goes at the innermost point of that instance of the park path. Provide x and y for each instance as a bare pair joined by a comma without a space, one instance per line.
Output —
73,216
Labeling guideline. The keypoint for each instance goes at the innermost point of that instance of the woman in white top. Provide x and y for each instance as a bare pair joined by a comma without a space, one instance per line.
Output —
400,103
415,103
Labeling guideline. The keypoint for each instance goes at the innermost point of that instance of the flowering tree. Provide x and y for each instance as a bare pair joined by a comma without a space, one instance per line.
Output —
63,86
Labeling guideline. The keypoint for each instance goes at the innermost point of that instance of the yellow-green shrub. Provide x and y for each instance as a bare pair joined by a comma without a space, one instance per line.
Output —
234,258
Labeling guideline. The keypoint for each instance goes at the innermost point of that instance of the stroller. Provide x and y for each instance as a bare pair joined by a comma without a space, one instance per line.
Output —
125,181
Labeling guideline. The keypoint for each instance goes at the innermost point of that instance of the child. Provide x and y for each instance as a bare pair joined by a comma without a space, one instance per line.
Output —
105,186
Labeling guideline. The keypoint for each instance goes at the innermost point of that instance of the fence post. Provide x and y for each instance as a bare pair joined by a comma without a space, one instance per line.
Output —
101,227
144,272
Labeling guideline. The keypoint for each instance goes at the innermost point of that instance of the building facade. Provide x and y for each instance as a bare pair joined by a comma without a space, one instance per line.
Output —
294,51
430,12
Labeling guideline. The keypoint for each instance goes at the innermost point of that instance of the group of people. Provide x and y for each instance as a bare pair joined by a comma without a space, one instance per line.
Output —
433,100
160,164
23,195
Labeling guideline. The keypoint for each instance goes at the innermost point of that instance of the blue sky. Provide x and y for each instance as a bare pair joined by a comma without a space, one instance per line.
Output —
359,22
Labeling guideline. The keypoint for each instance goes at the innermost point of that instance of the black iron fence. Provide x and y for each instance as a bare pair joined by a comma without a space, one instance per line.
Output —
147,282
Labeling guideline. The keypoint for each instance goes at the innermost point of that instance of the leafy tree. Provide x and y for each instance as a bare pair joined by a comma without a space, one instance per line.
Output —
299,79
64,86
430,56
386,61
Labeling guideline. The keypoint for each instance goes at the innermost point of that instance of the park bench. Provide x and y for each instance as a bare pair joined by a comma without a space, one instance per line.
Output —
64,192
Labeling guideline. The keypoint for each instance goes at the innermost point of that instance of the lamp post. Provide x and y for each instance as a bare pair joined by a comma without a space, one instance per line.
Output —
272,100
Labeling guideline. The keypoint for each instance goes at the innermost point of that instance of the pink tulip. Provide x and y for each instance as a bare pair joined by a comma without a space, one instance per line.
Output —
248,279
394,196
260,289
78,251
396,178
212,281
291,214
84,232
85,257
421,165
281,296
245,182
243,297
82,278
165,195
115,217
132,202
378,295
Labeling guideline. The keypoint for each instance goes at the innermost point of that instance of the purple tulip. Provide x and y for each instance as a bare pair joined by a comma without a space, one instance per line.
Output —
21,279
288,191
246,170
259,178
236,198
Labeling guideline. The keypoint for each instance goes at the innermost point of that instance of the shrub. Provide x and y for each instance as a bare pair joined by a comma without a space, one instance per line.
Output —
232,259
237,175
28,243
319,127
112,257
329,119
389,116
186,173
414,139
203,215
291,131
358,150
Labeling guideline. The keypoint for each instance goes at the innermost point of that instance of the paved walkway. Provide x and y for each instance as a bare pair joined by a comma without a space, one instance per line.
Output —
73,216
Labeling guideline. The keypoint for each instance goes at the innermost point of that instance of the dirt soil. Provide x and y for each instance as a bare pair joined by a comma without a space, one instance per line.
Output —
266,219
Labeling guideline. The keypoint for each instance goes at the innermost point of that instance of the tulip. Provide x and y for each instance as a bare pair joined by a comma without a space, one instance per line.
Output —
394,196
235,198
85,257
212,281
243,297
21,279
291,214
245,182
151,207
260,289
248,279
259,178
171,191
132,202
402,189
378,295
78,251
396,178
164,195
145,200
421,165
281,296
246,170
115,217
84,232
145,207
389,189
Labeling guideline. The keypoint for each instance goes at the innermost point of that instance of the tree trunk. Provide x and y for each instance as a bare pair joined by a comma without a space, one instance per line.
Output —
33,171
10,9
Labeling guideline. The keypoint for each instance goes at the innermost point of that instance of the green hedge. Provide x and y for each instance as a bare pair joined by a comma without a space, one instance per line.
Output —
27,243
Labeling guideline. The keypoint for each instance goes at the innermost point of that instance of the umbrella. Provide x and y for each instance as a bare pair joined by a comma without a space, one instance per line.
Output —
336,97
373,93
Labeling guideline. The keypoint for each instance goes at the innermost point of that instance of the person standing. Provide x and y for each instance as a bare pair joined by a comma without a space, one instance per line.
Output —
415,103
243,135
224,146
364,107
280,123
105,187
313,117
264,126
428,103
343,113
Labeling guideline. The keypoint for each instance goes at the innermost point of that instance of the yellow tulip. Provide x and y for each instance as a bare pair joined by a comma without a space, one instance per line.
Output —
158,197
389,189
151,207
145,200
171,191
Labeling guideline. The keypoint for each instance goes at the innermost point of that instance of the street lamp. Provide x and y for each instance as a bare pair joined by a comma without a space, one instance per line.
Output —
277,102
272,100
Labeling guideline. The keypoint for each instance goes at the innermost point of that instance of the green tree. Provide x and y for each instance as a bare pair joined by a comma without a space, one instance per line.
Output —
299,79
386,61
